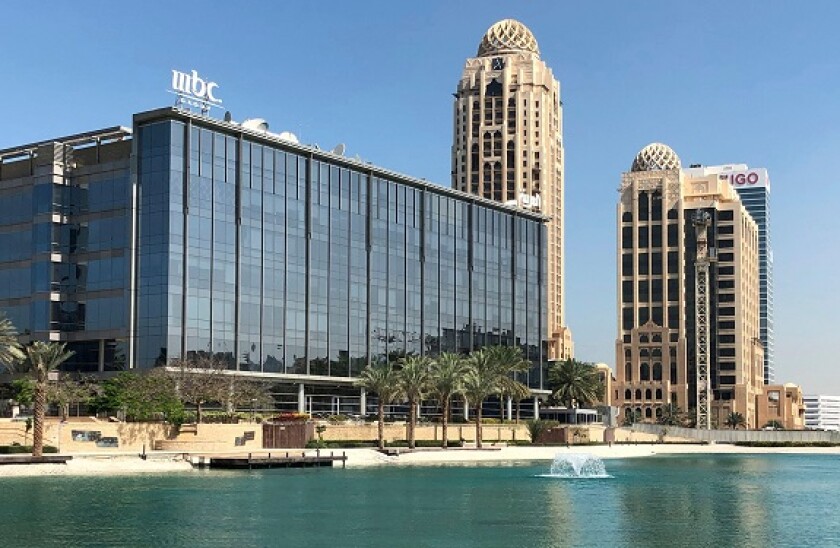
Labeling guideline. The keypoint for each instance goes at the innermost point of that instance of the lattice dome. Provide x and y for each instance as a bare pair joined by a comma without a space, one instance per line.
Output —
507,36
656,157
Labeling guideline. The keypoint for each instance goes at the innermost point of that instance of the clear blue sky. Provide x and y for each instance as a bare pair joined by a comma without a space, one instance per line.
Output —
751,82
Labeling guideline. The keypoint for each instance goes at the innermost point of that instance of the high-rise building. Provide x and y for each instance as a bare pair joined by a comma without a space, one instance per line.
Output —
753,186
667,222
822,412
508,145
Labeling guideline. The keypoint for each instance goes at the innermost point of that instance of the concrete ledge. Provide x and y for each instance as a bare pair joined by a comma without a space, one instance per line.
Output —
29,459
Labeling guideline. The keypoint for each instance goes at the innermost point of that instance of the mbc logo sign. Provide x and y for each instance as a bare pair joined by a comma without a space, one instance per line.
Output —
193,85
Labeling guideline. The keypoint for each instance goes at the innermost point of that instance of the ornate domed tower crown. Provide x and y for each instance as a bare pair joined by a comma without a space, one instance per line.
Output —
508,36
656,157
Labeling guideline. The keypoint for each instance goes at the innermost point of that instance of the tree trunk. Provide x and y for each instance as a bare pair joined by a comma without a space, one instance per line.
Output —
478,425
39,413
443,431
412,419
381,413
198,412
518,408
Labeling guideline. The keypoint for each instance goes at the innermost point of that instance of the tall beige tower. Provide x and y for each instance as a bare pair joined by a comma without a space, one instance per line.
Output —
508,145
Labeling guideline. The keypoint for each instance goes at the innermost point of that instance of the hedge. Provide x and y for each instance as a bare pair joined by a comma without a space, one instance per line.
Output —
16,449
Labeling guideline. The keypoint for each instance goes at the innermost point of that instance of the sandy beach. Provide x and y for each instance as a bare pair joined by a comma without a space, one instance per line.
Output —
98,465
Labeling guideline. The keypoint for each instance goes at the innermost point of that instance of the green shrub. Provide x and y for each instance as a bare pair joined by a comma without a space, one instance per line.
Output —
538,427
786,444
347,444
290,417
424,443
16,448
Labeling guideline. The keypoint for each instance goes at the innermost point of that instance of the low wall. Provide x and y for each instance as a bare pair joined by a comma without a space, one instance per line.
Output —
133,436
732,436
14,432
212,438
398,431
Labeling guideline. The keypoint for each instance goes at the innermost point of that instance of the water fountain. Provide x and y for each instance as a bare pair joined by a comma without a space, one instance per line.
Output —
577,465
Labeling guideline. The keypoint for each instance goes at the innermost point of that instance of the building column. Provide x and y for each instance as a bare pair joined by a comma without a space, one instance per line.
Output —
536,408
301,398
509,406
363,402
101,364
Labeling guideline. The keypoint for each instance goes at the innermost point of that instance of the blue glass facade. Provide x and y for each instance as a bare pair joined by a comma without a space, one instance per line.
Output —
189,235
284,259
757,202
65,230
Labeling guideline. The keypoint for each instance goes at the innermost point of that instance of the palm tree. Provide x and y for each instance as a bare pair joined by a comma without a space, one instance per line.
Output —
447,377
633,416
414,378
735,419
508,361
42,358
10,352
671,416
481,380
383,381
575,383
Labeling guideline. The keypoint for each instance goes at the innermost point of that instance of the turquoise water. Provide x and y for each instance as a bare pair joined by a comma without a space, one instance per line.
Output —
777,500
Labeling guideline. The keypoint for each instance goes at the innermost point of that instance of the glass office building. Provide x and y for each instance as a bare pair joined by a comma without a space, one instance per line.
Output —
192,235
756,198
65,253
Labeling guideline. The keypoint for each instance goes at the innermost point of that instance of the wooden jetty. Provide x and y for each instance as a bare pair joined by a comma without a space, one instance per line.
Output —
29,459
274,459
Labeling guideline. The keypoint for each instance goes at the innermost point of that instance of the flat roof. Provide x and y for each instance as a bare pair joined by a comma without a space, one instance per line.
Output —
88,137
318,154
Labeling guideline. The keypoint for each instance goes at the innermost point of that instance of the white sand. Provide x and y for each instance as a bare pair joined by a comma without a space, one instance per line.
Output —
97,466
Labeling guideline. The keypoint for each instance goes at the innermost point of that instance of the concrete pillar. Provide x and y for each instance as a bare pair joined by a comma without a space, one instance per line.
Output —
301,398
363,402
101,364
536,408
509,408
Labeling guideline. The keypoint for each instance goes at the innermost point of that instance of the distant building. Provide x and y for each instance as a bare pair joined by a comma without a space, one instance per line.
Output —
508,146
658,244
605,375
822,412
753,187
783,404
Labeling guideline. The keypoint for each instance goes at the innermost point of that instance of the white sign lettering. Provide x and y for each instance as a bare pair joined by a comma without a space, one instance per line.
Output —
193,90
751,178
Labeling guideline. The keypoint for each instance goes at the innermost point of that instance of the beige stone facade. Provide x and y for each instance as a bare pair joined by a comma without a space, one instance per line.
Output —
782,403
508,146
657,243
607,378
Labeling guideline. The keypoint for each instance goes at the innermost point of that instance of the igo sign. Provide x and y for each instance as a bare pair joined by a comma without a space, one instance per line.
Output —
194,90
748,179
